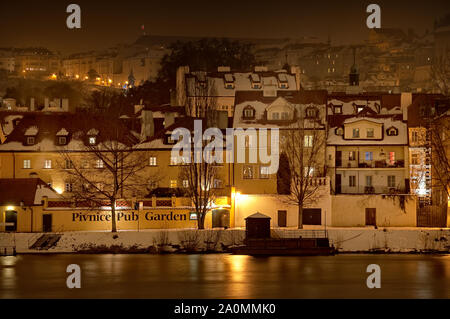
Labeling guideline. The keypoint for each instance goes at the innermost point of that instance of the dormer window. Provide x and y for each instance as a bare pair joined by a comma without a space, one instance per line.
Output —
229,81
311,112
275,116
339,131
256,81
62,140
359,108
338,109
282,81
248,112
31,140
356,133
92,140
392,131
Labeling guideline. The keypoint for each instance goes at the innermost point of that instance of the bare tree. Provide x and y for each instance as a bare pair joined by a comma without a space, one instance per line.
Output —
440,72
106,165
303,146
440,144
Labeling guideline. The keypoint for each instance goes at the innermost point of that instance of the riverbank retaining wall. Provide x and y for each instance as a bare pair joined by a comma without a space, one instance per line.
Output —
393,240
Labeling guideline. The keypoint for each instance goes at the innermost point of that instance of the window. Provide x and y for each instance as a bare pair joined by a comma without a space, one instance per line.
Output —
170,140
311,112
173,183
99,164
309,171
369,180
62,140
339,131
369,156
68,187
308,141
217,183
391,181
26,163
391,158
275,116
192,216
31,140
264,172
392,131
248,172
152,161
173,160
415,159
185,183
415,136
370,132
48,164
68,164
356,132
359,108
352,156
92,140
284,115
352,181
249,112
338,109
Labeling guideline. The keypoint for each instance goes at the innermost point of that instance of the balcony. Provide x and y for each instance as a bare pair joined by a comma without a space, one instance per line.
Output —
371,164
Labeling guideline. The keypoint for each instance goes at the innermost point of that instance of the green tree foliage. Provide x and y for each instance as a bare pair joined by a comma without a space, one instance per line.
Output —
206,55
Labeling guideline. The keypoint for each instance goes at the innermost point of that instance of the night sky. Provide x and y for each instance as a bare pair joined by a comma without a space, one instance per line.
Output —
107,23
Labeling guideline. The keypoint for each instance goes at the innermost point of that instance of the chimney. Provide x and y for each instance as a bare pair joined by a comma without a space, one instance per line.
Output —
223,69
32,108
295,70
147,125
181,88
405,102
169,119
65,105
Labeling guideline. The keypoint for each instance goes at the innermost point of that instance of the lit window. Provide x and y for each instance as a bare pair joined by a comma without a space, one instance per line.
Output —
339,131
352,156
92,140
185,183
152,161
174,160
309,171
338,109
415,159
392,158
48,164
217,183
356,132
99,164
264,172
173,183
26,163
192,216
308,141
370,132
369,156
249,112
248,172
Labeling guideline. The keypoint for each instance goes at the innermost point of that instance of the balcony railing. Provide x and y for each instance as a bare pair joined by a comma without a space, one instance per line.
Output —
371,164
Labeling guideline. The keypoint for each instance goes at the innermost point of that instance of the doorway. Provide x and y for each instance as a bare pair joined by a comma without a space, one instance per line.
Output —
47,223
312,216
282,218
371,216
338,183
11,220
221,218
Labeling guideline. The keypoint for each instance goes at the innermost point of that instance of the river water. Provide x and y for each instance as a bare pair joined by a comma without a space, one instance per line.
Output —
224,276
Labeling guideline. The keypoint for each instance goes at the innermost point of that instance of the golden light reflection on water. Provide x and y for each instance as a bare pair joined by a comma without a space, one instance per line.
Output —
238,266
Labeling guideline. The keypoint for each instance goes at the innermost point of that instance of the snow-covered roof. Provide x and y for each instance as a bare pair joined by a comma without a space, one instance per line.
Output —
62,132
31,131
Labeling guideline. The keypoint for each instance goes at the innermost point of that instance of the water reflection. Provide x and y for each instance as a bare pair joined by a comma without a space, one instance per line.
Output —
224,276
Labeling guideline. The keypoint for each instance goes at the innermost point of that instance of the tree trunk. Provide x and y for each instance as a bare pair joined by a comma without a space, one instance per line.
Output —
201,221
300,216
113,217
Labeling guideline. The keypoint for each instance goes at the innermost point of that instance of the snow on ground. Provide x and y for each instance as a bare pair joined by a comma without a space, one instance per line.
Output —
344,239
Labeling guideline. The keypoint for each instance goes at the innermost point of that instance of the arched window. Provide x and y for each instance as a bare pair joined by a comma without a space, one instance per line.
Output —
392,131
339,131
248,112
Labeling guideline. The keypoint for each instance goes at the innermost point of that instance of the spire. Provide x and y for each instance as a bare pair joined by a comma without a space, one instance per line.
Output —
354,74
